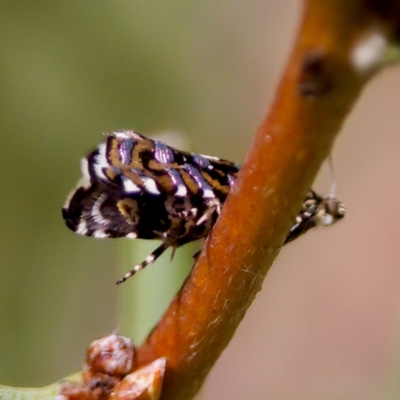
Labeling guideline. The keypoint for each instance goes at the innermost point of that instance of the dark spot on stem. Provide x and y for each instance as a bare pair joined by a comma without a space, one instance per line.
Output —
315,78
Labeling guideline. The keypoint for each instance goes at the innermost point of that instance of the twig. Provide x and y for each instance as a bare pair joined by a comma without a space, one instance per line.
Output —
339,47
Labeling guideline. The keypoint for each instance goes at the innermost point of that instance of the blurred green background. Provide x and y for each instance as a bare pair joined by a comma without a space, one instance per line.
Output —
326,325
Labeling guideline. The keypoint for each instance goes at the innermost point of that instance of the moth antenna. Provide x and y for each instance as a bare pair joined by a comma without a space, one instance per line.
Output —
148,260
332,192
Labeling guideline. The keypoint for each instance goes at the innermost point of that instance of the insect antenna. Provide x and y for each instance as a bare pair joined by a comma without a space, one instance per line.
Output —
332,192
148,260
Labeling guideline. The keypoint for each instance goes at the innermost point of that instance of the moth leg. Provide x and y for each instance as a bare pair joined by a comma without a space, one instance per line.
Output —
196,255
148,260
173,252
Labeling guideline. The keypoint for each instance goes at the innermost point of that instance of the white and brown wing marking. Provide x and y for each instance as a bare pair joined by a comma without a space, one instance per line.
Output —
136,187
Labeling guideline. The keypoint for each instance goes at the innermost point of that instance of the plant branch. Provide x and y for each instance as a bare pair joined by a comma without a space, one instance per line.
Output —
324,76
339,47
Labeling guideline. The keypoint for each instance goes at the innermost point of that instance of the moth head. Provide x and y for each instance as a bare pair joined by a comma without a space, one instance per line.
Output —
331,210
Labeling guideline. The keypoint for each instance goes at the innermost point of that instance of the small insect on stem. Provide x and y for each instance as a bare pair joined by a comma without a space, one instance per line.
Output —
136,187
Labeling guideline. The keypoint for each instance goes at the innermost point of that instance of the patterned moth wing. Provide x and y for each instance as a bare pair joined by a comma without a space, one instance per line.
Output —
136,187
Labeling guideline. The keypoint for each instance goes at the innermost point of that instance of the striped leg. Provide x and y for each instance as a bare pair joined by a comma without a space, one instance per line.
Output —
148,260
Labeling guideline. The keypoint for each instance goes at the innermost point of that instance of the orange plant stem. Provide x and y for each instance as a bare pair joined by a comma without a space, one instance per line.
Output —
316,93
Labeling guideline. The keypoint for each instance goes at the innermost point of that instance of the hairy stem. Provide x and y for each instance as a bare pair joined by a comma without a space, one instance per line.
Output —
322,80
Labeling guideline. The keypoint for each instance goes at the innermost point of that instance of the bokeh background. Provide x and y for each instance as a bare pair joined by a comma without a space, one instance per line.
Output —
326,324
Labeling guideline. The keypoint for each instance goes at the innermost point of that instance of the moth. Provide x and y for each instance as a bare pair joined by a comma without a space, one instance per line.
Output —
136,187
